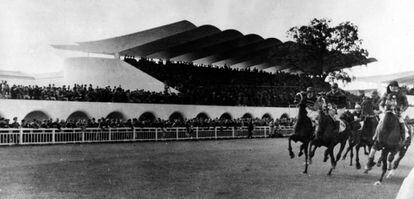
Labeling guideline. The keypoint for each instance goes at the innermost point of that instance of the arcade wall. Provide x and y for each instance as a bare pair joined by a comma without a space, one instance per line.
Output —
63,109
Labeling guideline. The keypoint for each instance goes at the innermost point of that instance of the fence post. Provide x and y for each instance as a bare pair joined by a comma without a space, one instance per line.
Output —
176,132
110,134
197,132
21,136
83,135
156,134
232,132
215,132
53,136
133,134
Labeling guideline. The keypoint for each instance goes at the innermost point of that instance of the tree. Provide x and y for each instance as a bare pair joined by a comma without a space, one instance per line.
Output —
321,49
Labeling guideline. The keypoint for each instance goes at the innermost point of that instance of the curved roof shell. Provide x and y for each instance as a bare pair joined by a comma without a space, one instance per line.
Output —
183,41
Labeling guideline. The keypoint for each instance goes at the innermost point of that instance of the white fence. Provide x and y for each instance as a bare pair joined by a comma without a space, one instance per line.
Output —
24,136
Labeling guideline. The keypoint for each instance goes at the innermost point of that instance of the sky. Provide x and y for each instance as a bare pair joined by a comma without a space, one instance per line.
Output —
27,28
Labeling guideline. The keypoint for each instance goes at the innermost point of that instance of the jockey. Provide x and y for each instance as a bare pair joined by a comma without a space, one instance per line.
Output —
393,100
375,101
336,103
357,113
313,105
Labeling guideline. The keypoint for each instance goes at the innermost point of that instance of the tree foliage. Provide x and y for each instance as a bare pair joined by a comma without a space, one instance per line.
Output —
323,49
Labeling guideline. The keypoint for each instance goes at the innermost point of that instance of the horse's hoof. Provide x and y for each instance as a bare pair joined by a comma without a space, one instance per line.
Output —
377,183
366,153
379,164
325,159
292,155
390,174
300,154
358,166
305,172
343,158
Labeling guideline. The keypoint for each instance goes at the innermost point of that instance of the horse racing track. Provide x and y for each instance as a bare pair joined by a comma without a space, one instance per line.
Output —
244,168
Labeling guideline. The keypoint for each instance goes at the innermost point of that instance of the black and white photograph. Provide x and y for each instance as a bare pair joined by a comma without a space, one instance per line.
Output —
284,99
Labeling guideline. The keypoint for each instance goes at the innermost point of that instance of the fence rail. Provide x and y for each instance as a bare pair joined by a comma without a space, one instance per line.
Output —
25,136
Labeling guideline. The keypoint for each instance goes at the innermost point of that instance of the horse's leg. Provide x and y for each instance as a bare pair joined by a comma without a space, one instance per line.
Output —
379,162
384,153
365,150
357,163
292,155
390,159
325,155
401,154
305,148
301,149
311,151
351,155
347,151
338,156
333,162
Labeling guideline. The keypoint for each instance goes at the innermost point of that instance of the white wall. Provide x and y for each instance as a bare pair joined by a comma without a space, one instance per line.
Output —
62,109
108,72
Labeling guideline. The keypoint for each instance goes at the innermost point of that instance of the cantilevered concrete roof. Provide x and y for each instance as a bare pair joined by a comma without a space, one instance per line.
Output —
206,44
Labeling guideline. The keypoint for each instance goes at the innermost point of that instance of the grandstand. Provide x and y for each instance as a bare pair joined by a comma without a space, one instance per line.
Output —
188,69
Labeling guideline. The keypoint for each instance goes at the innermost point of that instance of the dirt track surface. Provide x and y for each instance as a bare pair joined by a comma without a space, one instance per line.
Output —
247,168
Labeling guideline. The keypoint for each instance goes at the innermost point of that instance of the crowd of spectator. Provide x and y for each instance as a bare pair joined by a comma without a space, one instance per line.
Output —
227,86
200,85
130,123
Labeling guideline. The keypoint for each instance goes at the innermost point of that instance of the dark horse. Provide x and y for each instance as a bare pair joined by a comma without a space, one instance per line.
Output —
362,138
331,136
303,131
392,166
389,138
351,127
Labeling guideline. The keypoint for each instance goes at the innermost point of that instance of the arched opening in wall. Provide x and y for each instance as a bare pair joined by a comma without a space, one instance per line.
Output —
77,115
36,115
176,116
202,116
284,115
267,116
247,116
226,116
147,116
116,115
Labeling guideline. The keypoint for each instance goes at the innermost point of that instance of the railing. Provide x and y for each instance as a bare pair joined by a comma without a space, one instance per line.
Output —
24,136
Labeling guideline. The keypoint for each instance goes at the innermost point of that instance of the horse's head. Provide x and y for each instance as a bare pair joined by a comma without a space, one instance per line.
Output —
347,116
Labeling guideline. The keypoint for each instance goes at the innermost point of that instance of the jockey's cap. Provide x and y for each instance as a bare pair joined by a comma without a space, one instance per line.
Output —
357,106
393,83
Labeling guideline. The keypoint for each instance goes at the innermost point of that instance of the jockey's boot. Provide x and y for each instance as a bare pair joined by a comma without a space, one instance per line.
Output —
402,129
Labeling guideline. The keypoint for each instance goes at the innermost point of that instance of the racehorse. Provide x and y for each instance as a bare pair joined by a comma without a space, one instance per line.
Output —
303,131
401,153
362,138
350,127
389,138
329,138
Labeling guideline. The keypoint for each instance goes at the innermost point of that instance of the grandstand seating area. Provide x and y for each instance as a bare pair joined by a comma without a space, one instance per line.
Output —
197,85
226,86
